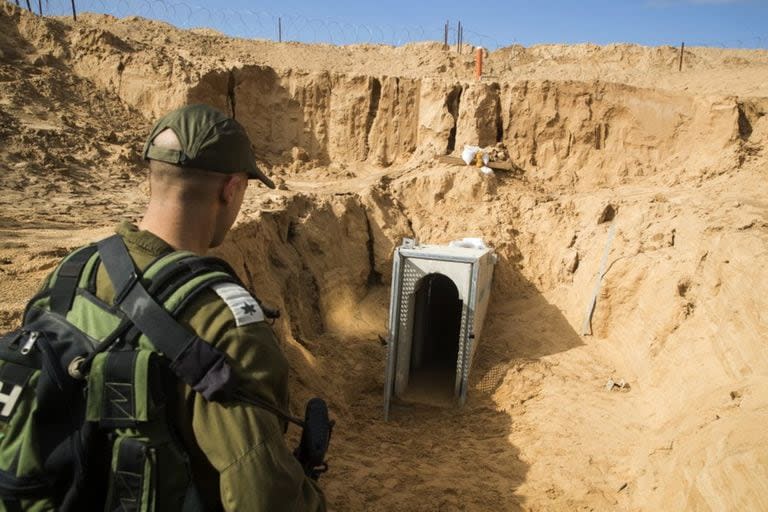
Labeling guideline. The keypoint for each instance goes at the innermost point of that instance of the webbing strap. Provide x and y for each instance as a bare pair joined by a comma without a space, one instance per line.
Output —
129,475
193,360
175,275
118,404
187,269
67,277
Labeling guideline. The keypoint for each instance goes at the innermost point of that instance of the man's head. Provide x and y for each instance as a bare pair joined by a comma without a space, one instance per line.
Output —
207,139
200,163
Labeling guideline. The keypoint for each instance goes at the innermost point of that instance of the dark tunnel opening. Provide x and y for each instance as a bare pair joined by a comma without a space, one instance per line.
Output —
435,348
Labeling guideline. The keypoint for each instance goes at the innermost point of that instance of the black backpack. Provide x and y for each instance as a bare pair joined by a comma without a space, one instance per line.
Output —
84,387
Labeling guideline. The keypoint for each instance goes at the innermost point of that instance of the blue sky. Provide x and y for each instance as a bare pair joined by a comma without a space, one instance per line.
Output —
732,23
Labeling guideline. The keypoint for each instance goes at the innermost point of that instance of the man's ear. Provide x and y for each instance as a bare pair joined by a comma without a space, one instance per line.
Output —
229,188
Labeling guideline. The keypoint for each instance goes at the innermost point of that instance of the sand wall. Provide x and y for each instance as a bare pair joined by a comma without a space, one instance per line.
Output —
561,131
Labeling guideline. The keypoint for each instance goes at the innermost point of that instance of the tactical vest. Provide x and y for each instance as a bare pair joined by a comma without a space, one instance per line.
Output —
87,386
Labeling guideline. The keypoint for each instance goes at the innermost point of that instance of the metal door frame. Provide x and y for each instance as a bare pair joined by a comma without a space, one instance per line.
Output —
395,306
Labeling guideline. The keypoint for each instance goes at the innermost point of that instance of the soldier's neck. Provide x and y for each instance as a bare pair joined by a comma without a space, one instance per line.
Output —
187,229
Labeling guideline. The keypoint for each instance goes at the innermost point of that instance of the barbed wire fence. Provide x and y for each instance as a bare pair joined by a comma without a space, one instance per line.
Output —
296,27
261,23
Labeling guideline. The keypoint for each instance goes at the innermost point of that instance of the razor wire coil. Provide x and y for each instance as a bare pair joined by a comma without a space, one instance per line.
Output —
269,25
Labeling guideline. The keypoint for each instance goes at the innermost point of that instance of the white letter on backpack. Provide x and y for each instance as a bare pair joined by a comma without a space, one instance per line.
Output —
9,401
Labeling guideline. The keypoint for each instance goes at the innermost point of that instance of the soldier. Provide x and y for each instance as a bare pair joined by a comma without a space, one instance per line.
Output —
200,162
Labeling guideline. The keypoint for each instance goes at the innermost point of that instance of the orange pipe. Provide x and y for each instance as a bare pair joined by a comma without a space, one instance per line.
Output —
478,63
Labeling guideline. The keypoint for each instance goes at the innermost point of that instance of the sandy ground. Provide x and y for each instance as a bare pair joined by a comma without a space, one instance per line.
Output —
351,135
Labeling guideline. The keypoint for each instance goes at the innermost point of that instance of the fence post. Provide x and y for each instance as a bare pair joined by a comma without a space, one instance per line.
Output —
74,11
29,6
40,6
682,50
17,3
445,35
458,37
279,30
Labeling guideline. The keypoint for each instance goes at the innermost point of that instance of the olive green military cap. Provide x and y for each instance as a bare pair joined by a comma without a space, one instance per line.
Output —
209,139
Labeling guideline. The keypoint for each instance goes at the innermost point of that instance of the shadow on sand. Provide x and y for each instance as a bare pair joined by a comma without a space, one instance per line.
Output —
462,458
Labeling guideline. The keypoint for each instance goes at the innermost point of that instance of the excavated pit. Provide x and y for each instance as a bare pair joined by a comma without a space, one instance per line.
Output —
582,148
679,311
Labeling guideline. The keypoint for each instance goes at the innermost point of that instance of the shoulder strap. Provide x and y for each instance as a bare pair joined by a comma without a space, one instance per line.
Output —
188,268
194,361
67,276
179,280
216,271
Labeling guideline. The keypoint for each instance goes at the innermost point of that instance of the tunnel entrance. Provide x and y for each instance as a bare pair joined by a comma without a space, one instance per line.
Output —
438,302
435,346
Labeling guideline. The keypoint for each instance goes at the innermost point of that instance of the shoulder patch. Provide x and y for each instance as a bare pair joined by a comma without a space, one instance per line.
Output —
243,306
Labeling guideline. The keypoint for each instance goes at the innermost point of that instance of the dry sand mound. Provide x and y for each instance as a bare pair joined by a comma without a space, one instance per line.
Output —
351,134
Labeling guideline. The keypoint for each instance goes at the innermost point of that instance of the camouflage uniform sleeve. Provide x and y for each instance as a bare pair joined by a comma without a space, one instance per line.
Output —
244,443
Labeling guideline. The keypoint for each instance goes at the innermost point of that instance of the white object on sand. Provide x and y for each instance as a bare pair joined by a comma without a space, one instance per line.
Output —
468,155
469,243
